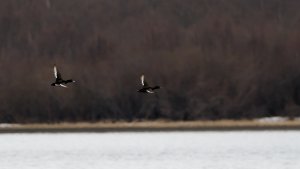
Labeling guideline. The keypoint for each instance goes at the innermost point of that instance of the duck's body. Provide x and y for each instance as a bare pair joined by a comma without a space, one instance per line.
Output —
62,82
146,88
58,79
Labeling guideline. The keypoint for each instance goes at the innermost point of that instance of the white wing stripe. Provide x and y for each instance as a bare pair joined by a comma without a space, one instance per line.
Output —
148,91
63,85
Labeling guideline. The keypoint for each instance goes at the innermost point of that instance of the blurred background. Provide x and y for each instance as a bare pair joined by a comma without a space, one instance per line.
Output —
214,59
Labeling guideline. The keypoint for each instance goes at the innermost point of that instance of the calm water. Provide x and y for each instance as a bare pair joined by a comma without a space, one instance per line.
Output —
158,150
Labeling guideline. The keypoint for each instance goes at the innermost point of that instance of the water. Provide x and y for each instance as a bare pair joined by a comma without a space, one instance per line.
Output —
154,150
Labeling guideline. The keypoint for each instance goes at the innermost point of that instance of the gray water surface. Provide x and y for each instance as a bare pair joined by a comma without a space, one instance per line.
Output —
153,150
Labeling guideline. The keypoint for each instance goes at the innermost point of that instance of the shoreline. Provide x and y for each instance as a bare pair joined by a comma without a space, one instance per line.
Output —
152,126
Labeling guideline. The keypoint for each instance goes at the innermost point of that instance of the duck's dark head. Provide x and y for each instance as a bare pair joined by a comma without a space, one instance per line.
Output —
53,84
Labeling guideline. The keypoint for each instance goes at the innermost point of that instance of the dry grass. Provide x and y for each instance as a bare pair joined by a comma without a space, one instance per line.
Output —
160,125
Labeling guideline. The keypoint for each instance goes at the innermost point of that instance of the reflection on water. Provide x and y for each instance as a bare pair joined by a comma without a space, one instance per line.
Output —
154,150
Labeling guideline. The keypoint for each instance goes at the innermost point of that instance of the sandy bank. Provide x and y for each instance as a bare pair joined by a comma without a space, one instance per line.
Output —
221,125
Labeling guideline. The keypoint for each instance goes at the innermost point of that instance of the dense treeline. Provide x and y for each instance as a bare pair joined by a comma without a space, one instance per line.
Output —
214,59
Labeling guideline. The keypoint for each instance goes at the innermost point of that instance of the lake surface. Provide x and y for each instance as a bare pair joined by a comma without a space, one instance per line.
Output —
152,150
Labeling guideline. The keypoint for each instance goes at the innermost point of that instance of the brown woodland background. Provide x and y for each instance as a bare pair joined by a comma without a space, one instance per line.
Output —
213,59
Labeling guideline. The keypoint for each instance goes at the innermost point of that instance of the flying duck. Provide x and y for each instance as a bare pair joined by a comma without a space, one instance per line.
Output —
146,88
58,79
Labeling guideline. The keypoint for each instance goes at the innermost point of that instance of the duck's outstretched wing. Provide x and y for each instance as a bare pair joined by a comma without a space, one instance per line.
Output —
56,73
143,81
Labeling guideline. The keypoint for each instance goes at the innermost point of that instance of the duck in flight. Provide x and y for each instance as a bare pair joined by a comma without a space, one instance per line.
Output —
58,79
146,88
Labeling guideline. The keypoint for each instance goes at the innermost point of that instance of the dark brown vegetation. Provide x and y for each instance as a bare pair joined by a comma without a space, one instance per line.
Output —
214,59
